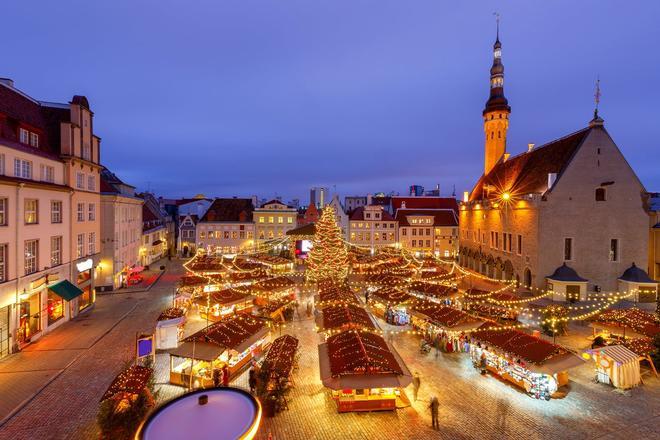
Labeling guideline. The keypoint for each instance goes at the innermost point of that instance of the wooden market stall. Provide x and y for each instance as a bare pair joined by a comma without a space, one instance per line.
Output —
334,294
273,289
534,364
127,386
625,323
434,292
616,365
274,263
280,358
392,305
222,304
169,328
337,318
229,344
493,306
363,371
443,326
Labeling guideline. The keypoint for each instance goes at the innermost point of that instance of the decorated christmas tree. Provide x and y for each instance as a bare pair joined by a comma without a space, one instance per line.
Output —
328,259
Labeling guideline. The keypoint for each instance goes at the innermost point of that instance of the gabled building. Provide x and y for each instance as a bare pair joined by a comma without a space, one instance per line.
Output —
157,230
121,230
49,222
227,227
573,200
189,211
372,227
428,231
273,220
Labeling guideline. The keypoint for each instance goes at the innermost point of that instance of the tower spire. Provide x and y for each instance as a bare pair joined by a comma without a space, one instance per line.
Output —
497,110
597,120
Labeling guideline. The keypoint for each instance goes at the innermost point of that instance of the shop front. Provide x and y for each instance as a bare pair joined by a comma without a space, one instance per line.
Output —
84,280
4,331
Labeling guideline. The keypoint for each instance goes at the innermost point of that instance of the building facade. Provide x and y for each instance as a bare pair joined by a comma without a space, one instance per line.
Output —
428,231
340,216
353,202
121,231
273,219
189,211
157,230
227,227
372,227
574,201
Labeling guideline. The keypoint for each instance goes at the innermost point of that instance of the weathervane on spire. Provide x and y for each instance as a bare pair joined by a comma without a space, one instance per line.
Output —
497,21
597,97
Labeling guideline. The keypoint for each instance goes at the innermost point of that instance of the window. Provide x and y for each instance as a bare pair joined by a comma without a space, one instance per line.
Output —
31,211
55,251
91,244
261,219
31,256
414,242
404,232
202,234
24,136
520,241
510,243
3,212
504,237
47,174
56,211
91,212
568,249
289,220
600,194
86,151
280,219
23,168
91,183
2,164
80,245
80,180
81,212
367,215
3,262
614,249
34,140
428,231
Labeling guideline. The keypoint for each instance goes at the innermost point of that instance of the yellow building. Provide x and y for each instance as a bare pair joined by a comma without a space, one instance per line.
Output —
273,220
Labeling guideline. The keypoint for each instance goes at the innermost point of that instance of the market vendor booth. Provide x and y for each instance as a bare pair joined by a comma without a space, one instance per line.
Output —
392,305
334,294
444,326
223,304
625,323
280,359
535,365
616,365
169,328
363,372
496,306
337,318
273,289
434,292
227,345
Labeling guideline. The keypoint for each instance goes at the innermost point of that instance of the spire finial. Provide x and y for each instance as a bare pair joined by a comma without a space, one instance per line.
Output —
597,96
497,21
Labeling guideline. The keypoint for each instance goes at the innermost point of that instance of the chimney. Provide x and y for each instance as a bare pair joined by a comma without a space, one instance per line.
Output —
552,177
530,147
8,82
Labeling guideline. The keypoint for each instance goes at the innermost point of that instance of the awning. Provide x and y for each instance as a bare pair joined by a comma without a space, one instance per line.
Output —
65,290
557,364
157,242
202,351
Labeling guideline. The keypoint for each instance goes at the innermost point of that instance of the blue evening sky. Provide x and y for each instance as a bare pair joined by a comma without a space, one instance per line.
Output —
271,97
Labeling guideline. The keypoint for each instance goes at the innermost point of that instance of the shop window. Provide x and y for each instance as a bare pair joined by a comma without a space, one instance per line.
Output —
86,298
55,308
29,318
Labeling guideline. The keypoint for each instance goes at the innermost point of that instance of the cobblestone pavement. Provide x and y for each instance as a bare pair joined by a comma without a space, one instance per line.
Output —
83,356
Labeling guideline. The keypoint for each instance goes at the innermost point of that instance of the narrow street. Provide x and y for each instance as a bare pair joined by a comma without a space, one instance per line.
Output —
62,377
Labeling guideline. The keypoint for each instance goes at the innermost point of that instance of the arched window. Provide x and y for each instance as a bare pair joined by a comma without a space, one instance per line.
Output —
600,194
492,135
499,134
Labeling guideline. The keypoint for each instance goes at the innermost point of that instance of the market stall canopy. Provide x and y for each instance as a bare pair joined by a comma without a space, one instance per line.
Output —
237,333
273,284
281,355
446,317
130,381
621,364
225,297
334,294
635,322
358,360
439,291
65,290
203,351
391,295
344,316
173,316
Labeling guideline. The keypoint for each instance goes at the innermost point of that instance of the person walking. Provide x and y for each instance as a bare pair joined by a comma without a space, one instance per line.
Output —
225,376
252,380
416,383
435,407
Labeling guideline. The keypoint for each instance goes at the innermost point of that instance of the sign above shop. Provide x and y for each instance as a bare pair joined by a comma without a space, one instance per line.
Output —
85,265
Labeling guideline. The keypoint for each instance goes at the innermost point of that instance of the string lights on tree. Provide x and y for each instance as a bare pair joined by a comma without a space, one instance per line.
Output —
328,259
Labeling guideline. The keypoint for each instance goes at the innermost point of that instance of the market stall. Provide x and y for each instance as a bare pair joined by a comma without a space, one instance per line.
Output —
169,328
363,371
228,344
616,365
392,305
333,319
334,294
273,289
494,306
443,326
280,358
127,386
438,293
222,304
625,323
274,263
534,364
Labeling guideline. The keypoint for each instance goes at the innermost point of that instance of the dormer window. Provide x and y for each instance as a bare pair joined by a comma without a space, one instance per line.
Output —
24,136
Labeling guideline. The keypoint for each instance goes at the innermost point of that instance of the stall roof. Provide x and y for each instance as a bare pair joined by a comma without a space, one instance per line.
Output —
273,284
639,321
434,290
360,352
520,344
617,353
447,317
346,315
392,295
336,294
204,351
132,381
225,297
281,354
236,333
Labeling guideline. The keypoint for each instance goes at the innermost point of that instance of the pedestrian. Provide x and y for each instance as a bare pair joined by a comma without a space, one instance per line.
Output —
252,380
483,362
309,309
217,377
366,297
434,407
416,383
225,376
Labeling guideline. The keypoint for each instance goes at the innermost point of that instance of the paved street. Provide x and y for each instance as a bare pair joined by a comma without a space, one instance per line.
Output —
71,367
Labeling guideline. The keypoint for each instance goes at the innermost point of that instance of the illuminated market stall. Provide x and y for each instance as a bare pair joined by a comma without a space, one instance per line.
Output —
497,306
445,327
534,364
273,289
392,305
223,303
625,323
616,365
231,343
439,293
337,318
334,294
280,359
363,371
273,263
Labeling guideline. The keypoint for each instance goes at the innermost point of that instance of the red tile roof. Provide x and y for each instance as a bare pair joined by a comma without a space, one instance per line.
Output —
441,217
229,210
527,173
358,214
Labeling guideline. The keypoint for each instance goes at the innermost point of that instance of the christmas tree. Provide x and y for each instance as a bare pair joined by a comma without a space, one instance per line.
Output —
328,258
